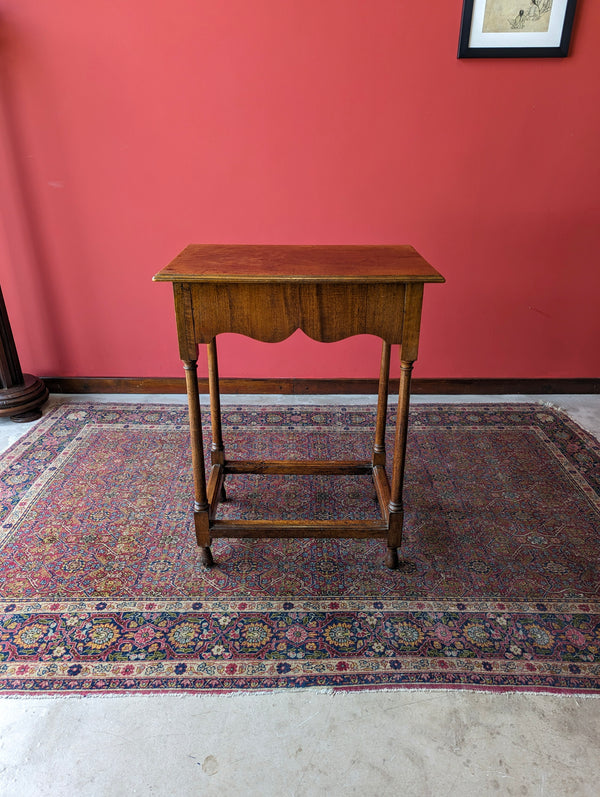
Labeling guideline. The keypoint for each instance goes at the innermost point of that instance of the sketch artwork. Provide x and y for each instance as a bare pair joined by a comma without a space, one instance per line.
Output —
507,16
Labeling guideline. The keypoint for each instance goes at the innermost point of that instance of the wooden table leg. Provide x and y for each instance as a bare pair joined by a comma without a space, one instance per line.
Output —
382,403
217,453
396,506
201,519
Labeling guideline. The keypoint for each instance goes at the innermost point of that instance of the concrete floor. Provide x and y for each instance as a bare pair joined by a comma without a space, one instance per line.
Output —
304,742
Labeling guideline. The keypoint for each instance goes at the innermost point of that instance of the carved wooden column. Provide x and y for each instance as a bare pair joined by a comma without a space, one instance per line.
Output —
21,395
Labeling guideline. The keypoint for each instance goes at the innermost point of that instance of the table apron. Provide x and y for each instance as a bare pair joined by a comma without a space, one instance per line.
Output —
271,312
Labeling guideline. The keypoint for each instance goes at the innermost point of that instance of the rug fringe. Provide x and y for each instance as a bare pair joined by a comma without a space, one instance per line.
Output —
308,692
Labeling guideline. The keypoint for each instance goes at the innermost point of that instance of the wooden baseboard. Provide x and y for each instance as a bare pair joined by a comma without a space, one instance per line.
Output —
323,386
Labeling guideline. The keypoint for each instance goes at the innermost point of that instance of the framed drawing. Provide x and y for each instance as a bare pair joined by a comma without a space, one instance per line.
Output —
516,28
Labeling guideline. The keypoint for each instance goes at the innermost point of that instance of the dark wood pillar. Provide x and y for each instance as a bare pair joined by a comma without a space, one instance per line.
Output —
21,395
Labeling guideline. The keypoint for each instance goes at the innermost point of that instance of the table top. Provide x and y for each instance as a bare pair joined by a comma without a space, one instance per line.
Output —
268,263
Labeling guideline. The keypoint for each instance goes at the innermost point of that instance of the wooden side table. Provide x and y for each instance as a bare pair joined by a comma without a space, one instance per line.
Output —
266,293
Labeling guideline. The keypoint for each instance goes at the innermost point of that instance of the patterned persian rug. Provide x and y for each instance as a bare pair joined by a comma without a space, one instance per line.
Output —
102,590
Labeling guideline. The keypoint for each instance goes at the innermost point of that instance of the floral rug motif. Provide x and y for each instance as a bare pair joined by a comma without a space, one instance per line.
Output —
102,589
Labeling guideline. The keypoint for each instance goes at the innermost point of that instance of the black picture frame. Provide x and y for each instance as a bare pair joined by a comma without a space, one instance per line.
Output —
517,42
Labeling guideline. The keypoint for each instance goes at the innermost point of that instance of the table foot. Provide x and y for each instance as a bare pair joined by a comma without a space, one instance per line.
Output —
206,557
391,559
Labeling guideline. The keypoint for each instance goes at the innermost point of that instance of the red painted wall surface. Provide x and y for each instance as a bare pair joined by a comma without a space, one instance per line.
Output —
131,129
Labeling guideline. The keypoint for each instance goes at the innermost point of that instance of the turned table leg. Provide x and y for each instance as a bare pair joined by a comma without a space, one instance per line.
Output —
201,519
382,403
217,453
396,506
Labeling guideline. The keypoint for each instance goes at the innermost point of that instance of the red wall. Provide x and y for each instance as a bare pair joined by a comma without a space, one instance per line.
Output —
130,129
